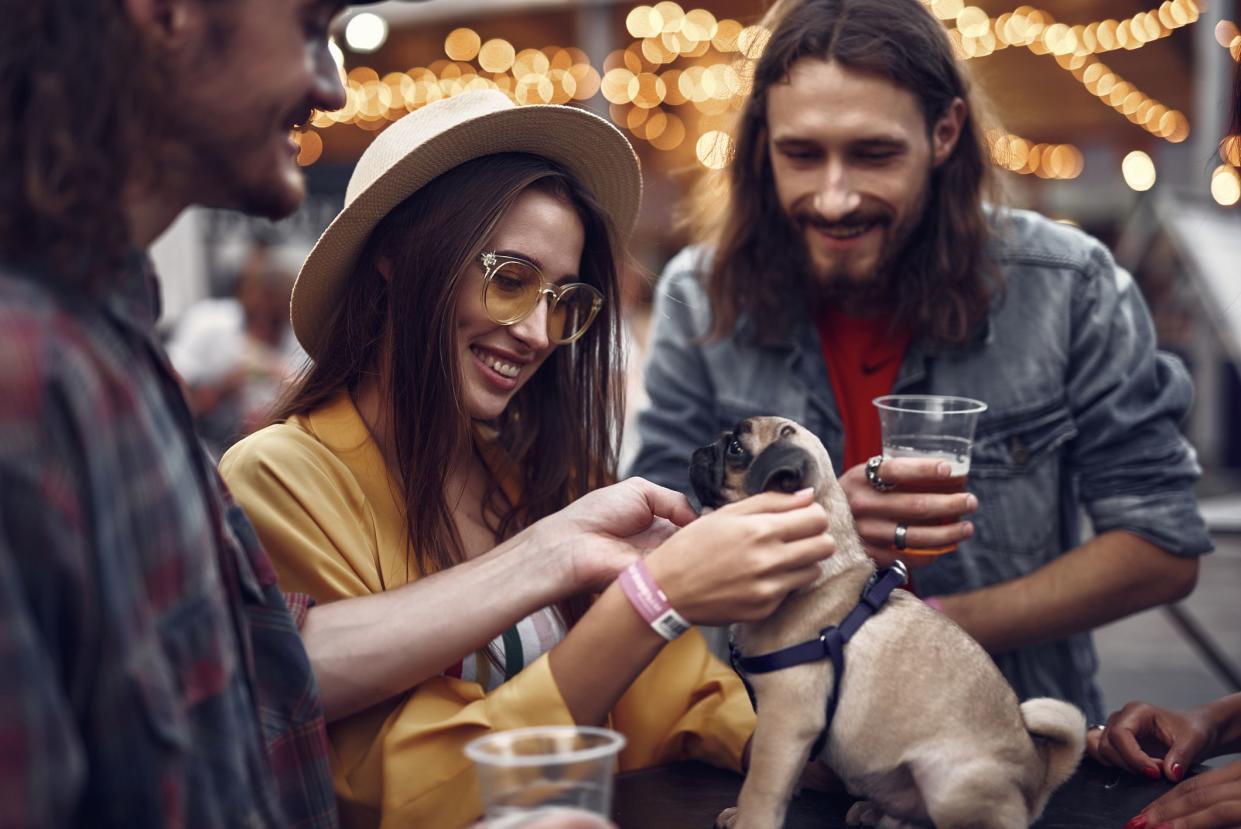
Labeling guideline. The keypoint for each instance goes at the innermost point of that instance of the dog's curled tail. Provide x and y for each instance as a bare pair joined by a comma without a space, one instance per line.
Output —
1059,729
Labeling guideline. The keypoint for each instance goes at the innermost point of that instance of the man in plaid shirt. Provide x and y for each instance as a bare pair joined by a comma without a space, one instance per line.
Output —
151,673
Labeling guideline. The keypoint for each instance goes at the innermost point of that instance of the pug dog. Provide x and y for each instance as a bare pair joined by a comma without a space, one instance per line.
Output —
927,731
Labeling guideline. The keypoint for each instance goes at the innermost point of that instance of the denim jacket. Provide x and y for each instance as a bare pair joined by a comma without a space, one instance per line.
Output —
1082,418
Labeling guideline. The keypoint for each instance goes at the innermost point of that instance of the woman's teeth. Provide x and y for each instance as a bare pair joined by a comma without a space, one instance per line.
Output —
498,366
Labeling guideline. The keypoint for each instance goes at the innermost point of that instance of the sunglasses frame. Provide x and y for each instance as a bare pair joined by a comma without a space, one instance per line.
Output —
492,262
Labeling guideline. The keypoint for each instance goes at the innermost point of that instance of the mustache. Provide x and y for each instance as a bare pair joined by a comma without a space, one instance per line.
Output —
806,216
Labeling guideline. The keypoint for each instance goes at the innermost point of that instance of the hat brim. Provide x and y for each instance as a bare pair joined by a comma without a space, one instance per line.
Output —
586,145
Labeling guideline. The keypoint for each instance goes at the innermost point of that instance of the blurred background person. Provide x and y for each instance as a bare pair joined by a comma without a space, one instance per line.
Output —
237,353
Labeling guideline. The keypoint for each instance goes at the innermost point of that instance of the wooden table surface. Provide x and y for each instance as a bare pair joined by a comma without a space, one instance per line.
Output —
690,795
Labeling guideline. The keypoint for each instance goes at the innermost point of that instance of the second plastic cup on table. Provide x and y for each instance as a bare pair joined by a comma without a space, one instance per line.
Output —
931,426
546,774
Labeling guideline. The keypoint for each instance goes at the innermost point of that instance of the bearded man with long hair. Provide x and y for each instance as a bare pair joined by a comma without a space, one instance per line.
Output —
850,251
151,672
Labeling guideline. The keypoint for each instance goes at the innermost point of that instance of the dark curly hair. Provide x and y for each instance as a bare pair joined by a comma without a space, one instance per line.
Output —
75,87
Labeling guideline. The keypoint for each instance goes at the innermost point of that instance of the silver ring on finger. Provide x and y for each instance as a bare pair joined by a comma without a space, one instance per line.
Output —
872,475
898,540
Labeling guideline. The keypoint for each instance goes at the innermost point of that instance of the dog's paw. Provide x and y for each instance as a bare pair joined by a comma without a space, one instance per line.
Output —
727,818
863,813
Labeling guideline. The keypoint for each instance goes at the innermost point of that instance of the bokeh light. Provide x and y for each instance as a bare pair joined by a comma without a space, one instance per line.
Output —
366,32
1139,171
714,149
1226,185
462,44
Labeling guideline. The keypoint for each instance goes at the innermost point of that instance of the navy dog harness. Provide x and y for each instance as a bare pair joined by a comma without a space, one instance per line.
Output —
830,644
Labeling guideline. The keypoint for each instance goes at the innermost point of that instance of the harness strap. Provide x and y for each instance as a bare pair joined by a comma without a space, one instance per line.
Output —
829,645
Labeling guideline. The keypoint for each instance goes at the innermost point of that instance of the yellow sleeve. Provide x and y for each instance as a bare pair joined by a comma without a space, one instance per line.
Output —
308,511
686,704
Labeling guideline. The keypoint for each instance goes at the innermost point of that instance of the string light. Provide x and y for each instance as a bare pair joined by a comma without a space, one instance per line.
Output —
1048,161
1226,185
643,82
1139,171
366,32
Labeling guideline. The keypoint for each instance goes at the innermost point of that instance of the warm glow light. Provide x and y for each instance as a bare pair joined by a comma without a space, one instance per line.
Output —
671,136
615,85
752,40
311,147
496,55
462,44
714,149
1139,171
673,15
726,35
1226,185
366,32
644,21
946,9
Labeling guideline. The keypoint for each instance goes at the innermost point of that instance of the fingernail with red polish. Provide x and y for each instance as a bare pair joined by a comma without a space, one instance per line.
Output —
1151,772
1178,771
1136,823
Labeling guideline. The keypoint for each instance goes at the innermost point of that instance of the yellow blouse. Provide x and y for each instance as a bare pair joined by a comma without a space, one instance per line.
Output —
318,492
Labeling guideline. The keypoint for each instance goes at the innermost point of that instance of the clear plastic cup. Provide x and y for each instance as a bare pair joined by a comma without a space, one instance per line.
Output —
553,775
931,426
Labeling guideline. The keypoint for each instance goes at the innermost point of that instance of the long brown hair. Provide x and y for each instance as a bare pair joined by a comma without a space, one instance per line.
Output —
76,85
557,430
760,267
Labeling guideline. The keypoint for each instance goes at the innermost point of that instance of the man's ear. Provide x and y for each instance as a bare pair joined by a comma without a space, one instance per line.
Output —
947,131
165,21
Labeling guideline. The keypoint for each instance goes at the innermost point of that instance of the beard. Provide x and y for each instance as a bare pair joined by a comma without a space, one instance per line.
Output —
234,163
847,283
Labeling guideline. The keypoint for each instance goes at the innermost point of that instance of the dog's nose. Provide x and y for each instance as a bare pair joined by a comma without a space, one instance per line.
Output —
780,468
785,479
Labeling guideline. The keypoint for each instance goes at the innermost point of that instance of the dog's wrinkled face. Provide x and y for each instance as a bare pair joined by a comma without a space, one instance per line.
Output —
758,455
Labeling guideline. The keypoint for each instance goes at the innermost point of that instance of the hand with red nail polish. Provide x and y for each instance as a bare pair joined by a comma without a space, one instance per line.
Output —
1211,800
1152,741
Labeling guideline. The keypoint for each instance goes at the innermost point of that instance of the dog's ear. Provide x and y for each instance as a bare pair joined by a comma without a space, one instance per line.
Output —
781,467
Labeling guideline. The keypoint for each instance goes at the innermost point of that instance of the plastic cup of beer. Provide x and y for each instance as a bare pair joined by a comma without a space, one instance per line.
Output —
931,426
554,776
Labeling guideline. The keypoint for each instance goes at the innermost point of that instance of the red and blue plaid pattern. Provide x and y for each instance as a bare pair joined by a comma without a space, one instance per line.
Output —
151,674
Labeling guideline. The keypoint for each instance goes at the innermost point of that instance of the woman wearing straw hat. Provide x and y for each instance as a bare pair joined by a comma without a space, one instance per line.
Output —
462,315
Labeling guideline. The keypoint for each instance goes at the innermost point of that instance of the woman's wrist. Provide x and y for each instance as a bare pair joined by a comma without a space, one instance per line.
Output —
650,602
1223,716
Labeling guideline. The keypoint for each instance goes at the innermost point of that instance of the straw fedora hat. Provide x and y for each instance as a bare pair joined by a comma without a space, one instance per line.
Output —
435,139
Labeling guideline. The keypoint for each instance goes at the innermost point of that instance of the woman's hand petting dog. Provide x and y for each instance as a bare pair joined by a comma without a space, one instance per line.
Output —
914,501
739,562
604,531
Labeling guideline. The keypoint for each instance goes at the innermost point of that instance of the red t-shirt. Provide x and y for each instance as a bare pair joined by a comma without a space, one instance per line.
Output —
863,358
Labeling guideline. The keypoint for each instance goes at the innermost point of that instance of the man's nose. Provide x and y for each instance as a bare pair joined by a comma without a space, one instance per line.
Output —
328,90
836,197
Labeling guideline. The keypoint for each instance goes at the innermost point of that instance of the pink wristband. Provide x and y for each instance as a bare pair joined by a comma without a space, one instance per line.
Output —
650,602
934,603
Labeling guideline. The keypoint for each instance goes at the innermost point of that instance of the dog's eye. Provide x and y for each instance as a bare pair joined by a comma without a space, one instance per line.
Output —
787,431
734,448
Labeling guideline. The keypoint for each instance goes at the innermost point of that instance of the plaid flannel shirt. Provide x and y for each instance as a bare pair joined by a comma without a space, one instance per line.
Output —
151,673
